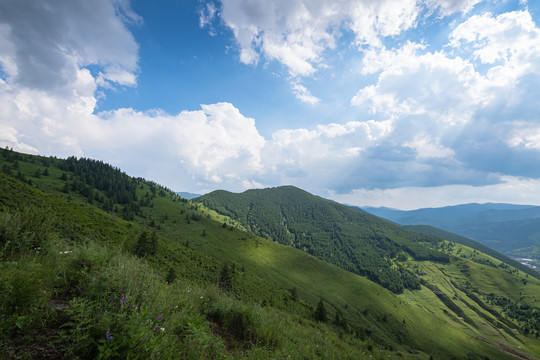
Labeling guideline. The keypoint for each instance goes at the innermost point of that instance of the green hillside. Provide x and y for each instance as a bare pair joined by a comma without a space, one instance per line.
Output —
140,272
510,229
355,241
474,245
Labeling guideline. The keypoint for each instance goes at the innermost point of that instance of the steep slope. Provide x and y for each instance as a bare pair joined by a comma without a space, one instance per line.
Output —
355,241
511,229
472,244
453,315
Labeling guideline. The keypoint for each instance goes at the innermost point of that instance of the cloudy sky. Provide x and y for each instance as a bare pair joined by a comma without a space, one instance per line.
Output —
399,103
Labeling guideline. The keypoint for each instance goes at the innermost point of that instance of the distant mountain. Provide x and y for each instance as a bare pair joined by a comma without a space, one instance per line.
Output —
511,229
188,195
354,240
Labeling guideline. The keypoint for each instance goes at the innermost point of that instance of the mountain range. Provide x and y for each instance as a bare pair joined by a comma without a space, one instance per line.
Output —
98,264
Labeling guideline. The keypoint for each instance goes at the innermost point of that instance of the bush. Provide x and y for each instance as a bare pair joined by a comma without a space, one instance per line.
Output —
22,231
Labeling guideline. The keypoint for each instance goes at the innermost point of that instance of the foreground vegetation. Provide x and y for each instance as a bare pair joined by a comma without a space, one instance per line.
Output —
88,273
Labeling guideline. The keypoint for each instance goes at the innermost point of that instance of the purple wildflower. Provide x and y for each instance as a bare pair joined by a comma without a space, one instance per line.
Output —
123,299
108,335
158,327
160,317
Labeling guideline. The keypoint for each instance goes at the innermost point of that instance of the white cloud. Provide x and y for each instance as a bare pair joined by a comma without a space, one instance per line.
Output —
425,147
298,33
45,43
448,7
303,94
508,43
525,135
443,91
207,14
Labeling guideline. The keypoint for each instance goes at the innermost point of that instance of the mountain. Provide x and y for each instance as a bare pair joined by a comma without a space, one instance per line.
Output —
511,229
188,195
94,263
355,241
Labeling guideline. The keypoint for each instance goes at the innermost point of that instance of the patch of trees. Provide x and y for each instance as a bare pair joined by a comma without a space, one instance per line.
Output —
526,315
93,174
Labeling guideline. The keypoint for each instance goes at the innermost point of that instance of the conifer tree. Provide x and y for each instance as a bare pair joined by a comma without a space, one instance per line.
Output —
153,243
142,246
225,278
320,312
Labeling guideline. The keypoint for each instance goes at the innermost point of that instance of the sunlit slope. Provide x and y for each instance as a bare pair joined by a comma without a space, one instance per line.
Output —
474,245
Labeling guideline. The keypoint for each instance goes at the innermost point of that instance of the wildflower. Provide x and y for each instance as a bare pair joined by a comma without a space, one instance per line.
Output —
108,335
123,299
160,317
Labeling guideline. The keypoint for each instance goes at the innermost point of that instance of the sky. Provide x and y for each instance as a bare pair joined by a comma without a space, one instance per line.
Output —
398,103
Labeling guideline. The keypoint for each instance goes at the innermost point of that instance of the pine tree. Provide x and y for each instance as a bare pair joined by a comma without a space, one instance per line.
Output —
171,276
320,312
142,246
153,243
225,278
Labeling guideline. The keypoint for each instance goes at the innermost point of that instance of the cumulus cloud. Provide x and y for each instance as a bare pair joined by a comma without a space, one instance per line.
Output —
298,33
45,43
470,105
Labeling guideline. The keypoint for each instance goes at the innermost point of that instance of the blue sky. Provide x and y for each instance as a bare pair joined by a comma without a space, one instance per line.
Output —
401,103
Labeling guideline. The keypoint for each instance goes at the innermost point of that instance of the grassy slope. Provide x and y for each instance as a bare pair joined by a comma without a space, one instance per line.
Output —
407,321
472,244
511,229
85,259
478,316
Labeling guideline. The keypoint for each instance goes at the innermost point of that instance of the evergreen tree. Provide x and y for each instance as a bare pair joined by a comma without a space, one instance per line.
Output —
142,246
171,276
225,278
340,320
294,294
320,312
153,243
